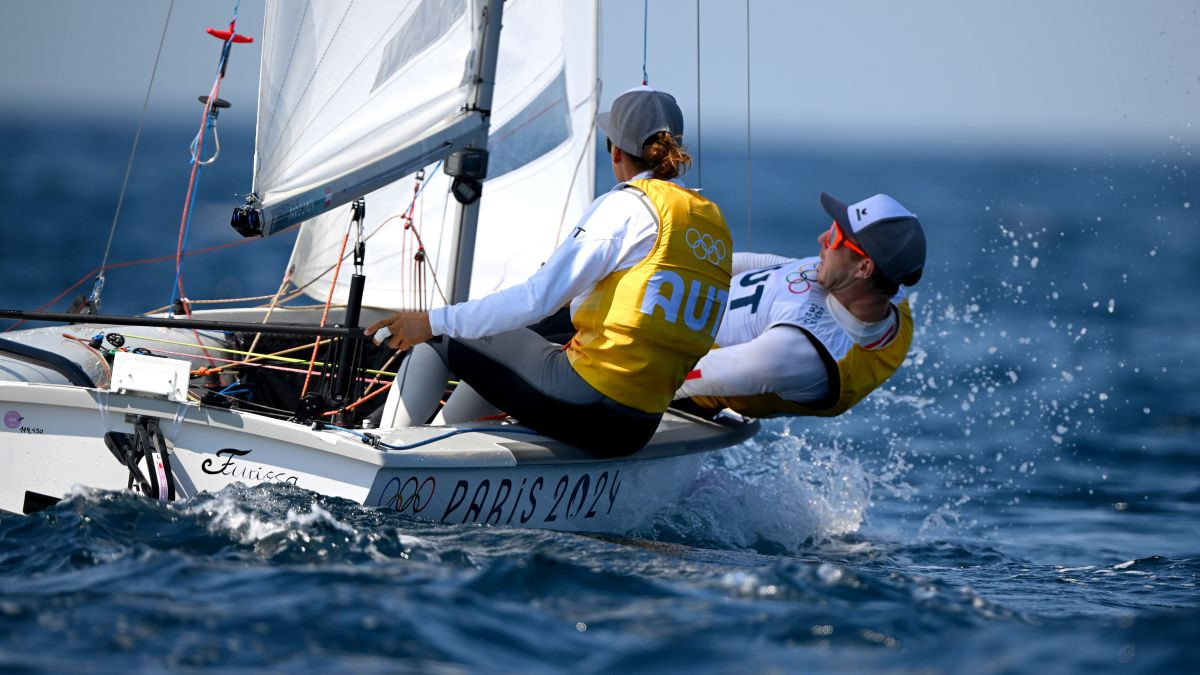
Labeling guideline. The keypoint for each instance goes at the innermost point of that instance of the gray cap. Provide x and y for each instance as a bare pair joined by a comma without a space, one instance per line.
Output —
637,115
889,233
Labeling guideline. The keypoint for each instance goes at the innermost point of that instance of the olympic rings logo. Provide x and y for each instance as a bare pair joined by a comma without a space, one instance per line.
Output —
798,283
410,493
705,247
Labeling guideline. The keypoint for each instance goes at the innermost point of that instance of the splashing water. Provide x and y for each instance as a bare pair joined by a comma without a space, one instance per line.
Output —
779,492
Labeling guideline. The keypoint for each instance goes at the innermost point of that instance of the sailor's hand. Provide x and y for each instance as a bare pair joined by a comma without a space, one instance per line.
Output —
407,329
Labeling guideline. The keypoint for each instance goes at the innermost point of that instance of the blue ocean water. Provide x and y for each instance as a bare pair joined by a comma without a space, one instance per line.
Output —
1024,496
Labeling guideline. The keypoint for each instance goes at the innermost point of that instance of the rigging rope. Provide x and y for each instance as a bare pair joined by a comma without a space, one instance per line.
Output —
325,314
369,394
699,147
287,277
250,358
433,271
218,301
134,263
204,371
366,397
98,287
749,147
282,298
275,356
645,40
418,282
87,344
587,143
419,257
373,440
177,290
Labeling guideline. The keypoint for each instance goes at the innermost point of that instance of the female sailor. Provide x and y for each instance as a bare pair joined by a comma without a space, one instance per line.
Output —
646,272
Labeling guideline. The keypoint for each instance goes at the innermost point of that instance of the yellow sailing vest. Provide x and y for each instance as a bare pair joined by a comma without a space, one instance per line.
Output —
642,329
857,373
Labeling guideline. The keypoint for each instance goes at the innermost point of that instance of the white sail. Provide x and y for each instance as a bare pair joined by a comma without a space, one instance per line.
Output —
540,175
345,86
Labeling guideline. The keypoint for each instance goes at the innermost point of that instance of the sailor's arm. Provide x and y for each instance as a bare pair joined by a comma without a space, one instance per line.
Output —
780,361
551,287
745,261
598,247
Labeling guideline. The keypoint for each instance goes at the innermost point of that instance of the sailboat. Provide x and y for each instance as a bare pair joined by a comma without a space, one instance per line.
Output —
430,157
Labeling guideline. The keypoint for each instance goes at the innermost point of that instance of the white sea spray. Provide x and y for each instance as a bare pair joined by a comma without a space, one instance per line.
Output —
779,490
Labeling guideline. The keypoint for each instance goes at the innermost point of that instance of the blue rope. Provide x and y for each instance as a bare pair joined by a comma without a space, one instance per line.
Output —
374,440
425,184
645,40
230,386
209,125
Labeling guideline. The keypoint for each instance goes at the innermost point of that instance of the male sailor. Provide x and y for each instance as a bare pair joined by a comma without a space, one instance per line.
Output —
814,336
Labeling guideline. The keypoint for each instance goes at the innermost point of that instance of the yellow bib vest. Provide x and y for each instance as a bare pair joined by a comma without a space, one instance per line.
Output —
857,373
643,328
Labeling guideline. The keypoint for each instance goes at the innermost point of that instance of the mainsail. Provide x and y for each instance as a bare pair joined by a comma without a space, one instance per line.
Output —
540,173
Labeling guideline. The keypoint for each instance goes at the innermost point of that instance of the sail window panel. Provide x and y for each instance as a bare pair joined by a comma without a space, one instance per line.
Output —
431,20
541,126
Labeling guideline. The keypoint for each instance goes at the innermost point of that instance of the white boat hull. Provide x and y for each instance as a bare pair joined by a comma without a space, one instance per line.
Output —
54,440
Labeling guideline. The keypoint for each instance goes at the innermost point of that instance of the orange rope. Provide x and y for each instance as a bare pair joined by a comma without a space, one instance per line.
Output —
420,257
325,314
362,400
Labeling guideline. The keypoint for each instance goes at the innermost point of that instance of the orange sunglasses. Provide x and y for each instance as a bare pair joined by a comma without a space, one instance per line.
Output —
838,238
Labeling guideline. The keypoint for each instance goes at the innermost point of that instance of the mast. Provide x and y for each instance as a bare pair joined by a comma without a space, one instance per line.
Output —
469,166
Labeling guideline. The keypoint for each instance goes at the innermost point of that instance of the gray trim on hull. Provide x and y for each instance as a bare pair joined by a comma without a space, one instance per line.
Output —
188,324
47,359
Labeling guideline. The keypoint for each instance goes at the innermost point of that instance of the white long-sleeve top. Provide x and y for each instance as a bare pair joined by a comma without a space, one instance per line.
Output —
617,231
781,359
